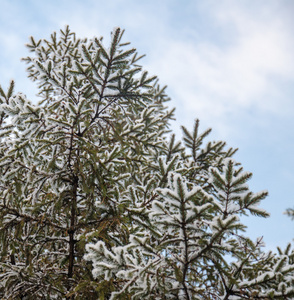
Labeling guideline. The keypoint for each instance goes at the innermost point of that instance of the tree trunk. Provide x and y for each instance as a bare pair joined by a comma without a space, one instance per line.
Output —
71,233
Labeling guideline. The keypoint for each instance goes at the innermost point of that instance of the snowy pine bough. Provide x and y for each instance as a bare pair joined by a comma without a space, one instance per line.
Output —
99,201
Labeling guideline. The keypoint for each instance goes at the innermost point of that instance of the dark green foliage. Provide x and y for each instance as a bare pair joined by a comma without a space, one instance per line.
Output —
97,200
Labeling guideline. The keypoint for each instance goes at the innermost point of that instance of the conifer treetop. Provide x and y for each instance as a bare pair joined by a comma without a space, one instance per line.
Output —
99,200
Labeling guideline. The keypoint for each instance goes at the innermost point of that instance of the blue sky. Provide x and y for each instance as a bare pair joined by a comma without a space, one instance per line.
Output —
228,63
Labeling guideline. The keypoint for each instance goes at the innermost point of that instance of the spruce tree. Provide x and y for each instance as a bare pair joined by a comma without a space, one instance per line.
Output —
99,201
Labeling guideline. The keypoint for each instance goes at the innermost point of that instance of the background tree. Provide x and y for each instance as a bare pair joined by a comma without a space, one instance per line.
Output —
92,166
290,213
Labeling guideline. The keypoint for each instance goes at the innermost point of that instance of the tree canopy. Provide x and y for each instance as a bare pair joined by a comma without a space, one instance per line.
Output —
100,201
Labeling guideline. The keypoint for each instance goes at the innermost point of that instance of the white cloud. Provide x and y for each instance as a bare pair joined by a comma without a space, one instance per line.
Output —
234,68
218,80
